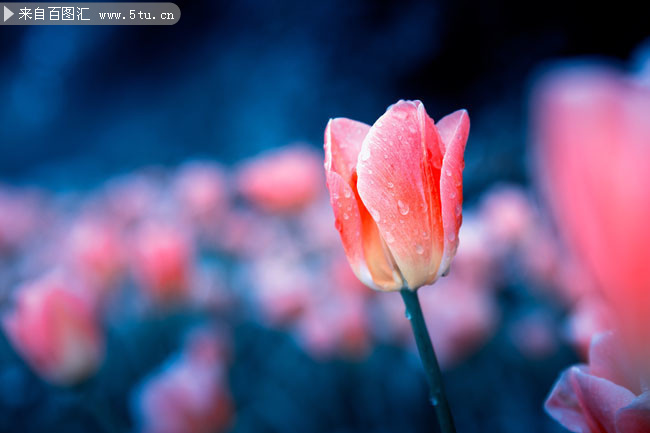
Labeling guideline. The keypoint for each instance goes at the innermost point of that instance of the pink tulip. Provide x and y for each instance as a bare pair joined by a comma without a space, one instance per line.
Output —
508,215
281,181
602,397
53,328
189,393
201,189
593,138
95,253
21,216
162,260
396,191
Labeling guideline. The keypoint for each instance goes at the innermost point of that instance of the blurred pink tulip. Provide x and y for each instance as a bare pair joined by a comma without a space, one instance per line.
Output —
21,215
163,260
593,149
281,181
200,186
602,397
508,214
189,393
52,326
282,288
396,191
336,325
95,253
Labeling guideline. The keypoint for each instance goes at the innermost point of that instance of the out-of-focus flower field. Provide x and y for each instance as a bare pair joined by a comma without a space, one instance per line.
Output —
212,294
209,298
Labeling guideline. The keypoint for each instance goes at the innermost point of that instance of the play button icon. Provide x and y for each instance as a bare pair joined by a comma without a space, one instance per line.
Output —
8,14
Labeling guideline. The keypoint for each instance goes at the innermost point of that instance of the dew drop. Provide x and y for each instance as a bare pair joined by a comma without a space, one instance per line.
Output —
425,234
375,215
407,314
434,401
452,194
413,129
400,114
448,172
385,156
451,237
346,216
403,207
347,193
389,237
369,171
401,221
459,210
390,184
419,249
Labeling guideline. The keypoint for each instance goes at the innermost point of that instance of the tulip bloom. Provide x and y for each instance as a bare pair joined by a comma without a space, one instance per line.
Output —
282,181
189,394
54,328
163,260
602,397
593,138
396,191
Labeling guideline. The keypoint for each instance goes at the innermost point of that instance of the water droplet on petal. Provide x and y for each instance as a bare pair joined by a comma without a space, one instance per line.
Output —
407,314
451,236
346,216
424,206
390,184
375,215
400,114
459,210
452,194
347,193
385,156
419,249
434,401
403,207
389,237
425,234
448,172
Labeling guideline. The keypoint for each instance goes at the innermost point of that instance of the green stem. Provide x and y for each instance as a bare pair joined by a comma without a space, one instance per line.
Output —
429,361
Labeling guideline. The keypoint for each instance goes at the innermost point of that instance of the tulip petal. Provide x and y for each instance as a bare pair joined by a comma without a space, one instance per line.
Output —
453,130
635,417
605,361
398,182
366,251
343,138
585,403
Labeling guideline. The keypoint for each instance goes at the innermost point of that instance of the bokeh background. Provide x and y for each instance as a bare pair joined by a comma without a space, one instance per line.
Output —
92,117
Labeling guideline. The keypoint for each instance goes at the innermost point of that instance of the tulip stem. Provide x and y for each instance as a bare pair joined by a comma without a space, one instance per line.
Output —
429,361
